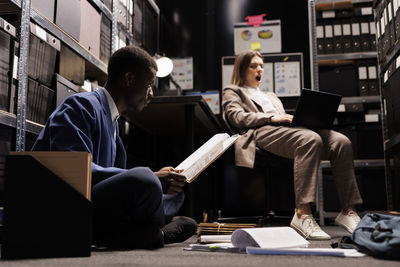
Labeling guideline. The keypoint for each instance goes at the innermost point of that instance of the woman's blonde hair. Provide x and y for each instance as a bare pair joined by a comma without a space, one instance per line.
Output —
242,62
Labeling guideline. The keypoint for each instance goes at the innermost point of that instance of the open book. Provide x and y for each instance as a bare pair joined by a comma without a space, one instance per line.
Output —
199,160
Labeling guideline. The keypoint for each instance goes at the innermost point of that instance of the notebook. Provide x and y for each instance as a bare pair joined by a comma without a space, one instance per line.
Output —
315,110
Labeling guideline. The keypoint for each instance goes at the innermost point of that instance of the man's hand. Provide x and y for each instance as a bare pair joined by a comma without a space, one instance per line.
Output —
171,180
282,118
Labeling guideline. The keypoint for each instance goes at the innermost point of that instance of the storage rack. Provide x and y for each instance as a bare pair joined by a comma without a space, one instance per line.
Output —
18,121
318,60
387,21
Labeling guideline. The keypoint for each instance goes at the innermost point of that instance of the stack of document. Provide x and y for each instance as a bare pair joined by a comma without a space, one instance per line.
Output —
221,228
267,241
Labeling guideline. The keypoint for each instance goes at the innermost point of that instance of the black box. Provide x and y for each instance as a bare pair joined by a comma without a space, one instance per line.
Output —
105,39
68,17
72,66
64,89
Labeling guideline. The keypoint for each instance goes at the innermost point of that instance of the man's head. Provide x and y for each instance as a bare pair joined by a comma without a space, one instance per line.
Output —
248,69
131,72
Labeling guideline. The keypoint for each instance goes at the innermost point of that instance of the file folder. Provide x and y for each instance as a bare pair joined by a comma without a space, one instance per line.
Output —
391,23
337,37
105,39
372,29
362,79
373,86
138,20
44,216
396,11
347,41
356,37
39,102
5,41
328,37
320,39
365,35
42,55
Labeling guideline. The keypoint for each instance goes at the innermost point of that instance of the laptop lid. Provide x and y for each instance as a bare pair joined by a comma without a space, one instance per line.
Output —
316,109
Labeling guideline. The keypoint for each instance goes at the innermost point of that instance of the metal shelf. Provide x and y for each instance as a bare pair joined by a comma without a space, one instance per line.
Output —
359,163
103,8
335,1
392,143
344,56
65,38
360,99
9,119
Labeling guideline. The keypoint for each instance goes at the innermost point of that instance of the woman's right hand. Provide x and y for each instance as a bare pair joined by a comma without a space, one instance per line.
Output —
281,118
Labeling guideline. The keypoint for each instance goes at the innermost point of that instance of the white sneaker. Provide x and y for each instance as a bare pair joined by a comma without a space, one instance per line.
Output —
308,227
348,222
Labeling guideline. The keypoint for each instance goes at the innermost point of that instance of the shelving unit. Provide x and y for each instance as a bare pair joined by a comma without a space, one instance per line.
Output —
94,65
387,21
338,61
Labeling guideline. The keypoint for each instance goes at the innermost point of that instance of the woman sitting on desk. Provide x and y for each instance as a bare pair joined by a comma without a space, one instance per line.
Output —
254,113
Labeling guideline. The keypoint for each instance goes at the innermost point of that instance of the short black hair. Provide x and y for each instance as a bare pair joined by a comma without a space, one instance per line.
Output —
129,59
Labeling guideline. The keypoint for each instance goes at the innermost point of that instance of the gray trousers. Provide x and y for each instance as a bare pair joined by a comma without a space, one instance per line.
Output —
307,148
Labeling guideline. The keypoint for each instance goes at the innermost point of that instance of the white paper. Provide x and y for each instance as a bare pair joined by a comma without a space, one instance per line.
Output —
287,78
268,35
362,73
372,72
328,31
182,73
337,30
267,80
215,239
268,237
355,27
41,33
328,14
306,251
346,29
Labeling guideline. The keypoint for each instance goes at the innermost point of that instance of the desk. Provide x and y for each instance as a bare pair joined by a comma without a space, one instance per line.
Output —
174,116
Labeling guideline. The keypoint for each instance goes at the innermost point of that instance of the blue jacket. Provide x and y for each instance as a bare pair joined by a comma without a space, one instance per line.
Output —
83,123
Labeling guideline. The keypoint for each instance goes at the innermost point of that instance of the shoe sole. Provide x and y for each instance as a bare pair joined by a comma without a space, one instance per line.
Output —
344,226
308,238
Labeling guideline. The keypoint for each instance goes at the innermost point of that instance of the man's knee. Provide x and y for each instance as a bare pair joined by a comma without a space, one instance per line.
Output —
144,178
312,139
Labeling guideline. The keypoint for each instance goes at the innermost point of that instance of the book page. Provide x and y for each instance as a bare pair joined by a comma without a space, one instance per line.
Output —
268,237
205,155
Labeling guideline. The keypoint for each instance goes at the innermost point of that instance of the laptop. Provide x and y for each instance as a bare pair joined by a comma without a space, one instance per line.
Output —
315,110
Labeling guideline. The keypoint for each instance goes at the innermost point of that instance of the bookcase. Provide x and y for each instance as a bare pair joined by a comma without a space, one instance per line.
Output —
344,58
387,22
50,37
54,48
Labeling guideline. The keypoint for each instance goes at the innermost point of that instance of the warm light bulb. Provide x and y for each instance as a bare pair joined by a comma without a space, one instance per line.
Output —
164,66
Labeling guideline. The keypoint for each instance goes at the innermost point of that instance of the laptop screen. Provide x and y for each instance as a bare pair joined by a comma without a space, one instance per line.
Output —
316,109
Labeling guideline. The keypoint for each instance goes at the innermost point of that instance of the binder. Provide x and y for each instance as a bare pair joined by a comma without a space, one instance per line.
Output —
14,77
347,41
391,23
365,35
356,37
105,39
328,29
44,216
396,10
42,55
362,79
372,42
379,30
89,34
138,20
320,39
5,41
337,37
373,86
72,66
387,34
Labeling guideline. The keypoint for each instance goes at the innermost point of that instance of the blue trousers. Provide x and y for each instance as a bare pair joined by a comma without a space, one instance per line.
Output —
130,208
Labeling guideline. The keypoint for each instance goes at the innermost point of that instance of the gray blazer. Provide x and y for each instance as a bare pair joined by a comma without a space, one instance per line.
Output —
246,114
